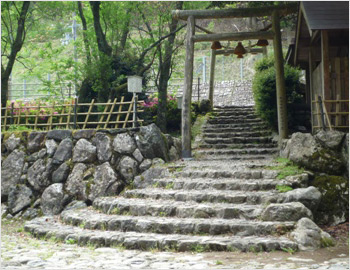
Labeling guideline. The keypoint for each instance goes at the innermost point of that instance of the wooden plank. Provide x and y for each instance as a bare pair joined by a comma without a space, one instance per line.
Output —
127,115
27,117
88,113
318,112
37,116
280,82
238,36
119,112
103,114
110,113
337,110
69,115
6,115
51,118
326,91
62,113
234,12
327,116
212,77
187,95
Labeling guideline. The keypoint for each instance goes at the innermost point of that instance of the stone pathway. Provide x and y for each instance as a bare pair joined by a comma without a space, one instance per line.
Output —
215,203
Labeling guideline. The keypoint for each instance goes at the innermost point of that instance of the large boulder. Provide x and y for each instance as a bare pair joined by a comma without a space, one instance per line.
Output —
152,143
105,182
19,198
64,151
124,144
35,141
52,200
51,147
12,143
285,212
11,171
310,197
59,134
60,175
128,168
38,175
75,185
303,149
334,205
309,236
84,151
331,139
345,152
103,145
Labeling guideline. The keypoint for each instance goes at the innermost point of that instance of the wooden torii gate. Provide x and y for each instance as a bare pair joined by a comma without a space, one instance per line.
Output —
275,34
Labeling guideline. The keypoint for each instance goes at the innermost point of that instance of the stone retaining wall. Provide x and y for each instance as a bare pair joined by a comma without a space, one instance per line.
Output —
45,171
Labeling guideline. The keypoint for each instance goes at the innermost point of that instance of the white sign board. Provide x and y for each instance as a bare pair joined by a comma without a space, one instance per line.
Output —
134,84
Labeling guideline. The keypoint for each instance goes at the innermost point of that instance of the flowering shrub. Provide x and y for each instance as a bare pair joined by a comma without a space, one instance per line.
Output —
32,108
173,114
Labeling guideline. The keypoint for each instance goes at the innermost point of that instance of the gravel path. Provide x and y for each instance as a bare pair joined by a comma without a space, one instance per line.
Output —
20,251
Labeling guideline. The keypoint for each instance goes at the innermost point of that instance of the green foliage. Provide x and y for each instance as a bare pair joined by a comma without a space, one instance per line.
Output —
289,250
285,168
264,89
71,241
283,188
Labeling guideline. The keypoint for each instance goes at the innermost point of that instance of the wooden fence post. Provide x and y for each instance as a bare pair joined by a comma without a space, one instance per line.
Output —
37,116
128,113
110,113
119,112
186,102
337,109
100,122
88,114
212,78
280,82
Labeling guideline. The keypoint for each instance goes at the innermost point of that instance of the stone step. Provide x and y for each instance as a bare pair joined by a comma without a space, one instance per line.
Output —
237,117
237,146
245,125
236,134
214,129
234,113
235,121
92,220
235,108
170,208
219,184
224,158
231,132
237,152
212,196
235,174
48,228
219,140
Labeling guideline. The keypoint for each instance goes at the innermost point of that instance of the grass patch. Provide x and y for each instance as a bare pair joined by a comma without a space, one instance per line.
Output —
71,241
218,262
197,126
288,250
285,168
283,188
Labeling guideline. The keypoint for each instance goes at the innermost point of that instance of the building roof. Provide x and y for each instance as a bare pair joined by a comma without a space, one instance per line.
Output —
326,15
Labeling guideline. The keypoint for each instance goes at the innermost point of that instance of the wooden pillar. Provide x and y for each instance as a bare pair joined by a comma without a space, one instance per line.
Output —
280,83
312,93
187,95
326,91
212,76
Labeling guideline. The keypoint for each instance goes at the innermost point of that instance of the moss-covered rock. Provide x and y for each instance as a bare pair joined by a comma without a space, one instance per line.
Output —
334,206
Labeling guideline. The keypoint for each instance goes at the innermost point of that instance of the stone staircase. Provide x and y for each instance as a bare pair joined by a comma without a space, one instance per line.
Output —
208,204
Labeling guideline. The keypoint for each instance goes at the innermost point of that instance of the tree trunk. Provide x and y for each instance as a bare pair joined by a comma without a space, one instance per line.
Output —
15,48
85,38
164,67
100,36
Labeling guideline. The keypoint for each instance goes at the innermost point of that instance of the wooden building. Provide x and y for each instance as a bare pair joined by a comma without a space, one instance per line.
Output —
321,48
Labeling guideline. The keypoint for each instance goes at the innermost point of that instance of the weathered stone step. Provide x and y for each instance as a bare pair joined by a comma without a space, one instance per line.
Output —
235,121
237,152
238,117
48,227
234,113
237,146
245,125
219,184
92,220
235,108
235,158
236,134
170,208
212,196
235,174
234,140
214,129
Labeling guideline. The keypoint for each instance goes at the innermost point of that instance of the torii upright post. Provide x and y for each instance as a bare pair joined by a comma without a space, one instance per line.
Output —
211,78
280,82
187,95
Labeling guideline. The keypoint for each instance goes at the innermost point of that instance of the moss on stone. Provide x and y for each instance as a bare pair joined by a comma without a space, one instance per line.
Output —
335,200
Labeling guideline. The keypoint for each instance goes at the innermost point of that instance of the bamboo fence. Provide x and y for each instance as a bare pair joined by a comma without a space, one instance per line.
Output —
110,115
338,119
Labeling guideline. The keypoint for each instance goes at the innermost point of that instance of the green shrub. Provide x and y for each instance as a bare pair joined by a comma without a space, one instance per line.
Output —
264,90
